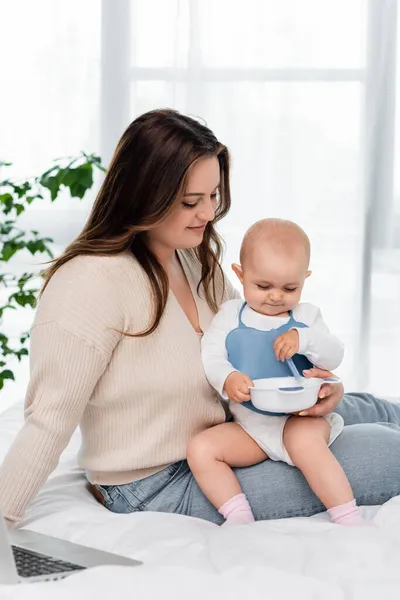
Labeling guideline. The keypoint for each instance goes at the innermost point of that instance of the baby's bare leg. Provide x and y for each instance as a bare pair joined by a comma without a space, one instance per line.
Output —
306,441
212,453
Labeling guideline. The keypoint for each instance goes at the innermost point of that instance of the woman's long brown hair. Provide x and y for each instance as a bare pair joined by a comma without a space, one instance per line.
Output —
146,178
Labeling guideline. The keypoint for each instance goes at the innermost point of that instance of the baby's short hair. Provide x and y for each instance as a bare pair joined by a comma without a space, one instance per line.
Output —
280,234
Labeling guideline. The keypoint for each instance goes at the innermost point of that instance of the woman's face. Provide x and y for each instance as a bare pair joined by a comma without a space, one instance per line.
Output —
184,227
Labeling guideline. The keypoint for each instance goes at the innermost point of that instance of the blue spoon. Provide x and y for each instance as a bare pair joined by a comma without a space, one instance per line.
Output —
297,377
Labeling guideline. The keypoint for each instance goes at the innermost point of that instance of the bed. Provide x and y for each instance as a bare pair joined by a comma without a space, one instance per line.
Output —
183,558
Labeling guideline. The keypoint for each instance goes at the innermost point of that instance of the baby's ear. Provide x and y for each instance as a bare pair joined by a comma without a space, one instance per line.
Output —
308,274
237,269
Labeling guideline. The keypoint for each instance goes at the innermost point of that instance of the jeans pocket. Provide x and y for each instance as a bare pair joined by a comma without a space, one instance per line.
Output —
108,493
135,496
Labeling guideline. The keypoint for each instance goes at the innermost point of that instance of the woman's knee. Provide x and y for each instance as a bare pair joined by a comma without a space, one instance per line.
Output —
370,456
369,442
366,408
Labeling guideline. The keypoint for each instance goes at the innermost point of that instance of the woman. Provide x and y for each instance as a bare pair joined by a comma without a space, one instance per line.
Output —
115,346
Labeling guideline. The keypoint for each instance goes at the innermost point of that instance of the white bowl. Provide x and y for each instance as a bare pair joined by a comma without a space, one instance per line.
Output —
266,395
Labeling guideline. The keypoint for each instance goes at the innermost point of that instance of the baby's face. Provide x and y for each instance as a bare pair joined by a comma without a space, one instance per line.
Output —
273,280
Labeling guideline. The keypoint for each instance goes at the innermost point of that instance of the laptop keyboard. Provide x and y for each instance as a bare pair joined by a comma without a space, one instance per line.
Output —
32,564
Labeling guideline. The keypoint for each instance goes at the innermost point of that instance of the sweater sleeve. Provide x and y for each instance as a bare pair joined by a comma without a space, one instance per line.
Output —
72,340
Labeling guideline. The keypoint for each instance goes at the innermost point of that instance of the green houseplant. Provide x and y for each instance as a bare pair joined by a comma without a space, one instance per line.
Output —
75,174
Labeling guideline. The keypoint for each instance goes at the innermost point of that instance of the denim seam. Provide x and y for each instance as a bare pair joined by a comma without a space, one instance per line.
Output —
318,509
144,504
296,513
122,497
377,498
105,493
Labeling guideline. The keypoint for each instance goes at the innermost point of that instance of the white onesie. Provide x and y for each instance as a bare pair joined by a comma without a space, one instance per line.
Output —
322,348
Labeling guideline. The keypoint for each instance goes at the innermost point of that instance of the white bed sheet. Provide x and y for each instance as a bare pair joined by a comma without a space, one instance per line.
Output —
187,558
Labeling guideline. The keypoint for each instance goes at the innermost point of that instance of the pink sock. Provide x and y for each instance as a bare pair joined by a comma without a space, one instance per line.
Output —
237,511
346,514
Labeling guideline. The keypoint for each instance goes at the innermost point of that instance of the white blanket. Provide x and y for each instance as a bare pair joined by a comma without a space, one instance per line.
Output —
185,558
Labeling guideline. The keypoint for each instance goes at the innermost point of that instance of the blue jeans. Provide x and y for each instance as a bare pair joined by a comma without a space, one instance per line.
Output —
368,450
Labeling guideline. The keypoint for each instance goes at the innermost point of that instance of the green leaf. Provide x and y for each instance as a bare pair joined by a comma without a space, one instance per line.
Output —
20,190
78,190
74,173
3,308
8,252
24,298
52,184
79,180
9,249
70,177
7,374
5,164
4,198
46,173
23,280
33,247
21,353
94,160
8,202
30,199
39,245
7,227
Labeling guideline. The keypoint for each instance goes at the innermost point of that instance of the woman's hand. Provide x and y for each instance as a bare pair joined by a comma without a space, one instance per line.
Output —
329,395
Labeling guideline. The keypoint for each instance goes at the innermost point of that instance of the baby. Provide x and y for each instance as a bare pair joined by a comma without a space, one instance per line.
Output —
274,258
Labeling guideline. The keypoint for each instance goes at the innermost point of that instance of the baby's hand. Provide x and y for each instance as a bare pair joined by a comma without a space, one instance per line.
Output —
236,387
286,345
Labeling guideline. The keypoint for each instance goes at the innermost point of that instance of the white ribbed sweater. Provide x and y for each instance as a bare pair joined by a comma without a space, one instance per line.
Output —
138,401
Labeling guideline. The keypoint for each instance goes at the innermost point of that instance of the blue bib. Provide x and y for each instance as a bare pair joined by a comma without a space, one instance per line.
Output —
251,351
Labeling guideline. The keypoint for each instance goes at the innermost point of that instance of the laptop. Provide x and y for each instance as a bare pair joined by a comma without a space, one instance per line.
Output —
27,557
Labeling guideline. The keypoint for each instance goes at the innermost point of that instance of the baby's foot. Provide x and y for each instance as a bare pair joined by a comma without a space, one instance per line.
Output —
237,511
347,514
352,520
239,518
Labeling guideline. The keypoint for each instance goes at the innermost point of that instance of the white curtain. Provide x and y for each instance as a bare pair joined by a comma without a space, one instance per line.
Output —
304,95
49,107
